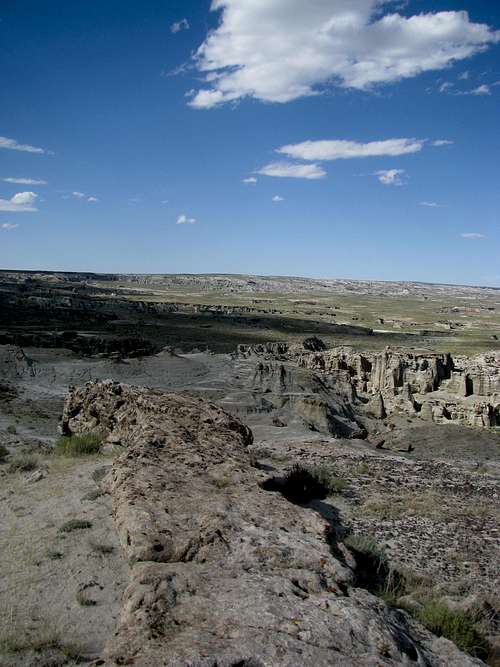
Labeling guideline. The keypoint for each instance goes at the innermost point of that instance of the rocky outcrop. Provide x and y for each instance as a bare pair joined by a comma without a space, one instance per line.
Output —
358,366
387,372
223,572
375,407
326,406
430,385
391,371
267,350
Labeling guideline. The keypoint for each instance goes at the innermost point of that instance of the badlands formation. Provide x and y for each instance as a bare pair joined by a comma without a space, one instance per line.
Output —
284,472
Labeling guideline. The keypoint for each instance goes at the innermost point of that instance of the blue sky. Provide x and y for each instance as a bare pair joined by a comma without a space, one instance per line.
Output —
143,119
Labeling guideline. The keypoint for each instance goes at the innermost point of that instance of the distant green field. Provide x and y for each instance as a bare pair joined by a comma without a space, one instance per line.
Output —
462,325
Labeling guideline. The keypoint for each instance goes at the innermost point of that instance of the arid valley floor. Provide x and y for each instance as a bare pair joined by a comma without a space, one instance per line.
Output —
285,471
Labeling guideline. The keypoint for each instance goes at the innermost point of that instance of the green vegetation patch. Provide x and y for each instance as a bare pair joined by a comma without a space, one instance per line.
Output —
85,444
458,626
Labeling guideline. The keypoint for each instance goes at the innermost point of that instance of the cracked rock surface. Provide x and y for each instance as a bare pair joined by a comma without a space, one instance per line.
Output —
223,572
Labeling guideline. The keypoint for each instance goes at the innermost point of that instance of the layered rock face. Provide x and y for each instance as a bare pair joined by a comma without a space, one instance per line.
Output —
387,372
224,573
432,385
327,406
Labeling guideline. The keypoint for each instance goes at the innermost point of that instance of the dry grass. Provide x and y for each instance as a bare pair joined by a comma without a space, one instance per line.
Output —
18,638
101,548
23,463
427,504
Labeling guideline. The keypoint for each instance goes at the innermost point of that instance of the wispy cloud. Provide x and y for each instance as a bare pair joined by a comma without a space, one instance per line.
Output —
442,142
445,87
281,51
430,204
183,24
8,226
339,149
472,235
293,170
184,220
22,202
278,198
250,179
480,91
390,176
24,181
81,195
13,145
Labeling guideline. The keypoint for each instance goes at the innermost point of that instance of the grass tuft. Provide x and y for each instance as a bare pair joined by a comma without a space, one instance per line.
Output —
100,548
458,626
84,600
328,479
23,463
85,444
75,524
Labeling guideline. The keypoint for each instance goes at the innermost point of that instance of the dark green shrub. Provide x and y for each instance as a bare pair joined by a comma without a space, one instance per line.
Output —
305,483
301,485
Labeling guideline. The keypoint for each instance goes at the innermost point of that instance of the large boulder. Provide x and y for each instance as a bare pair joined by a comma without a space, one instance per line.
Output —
223,572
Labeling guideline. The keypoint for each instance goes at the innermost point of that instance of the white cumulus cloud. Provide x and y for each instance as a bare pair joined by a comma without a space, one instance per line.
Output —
21,202
280,50
480,90
24,181
8,226
250,179
285,169
344,150
92,199
472,235
13,145
278,198
391,176
184,220
430,204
